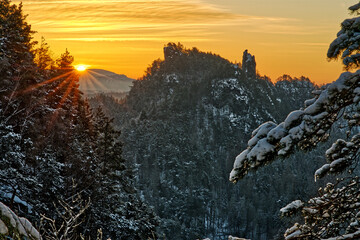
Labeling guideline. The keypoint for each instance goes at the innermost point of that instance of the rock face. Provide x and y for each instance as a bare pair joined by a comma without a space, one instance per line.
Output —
249,65
15,227
172,50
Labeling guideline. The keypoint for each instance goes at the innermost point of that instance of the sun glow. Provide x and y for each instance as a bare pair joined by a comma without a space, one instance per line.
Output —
81,68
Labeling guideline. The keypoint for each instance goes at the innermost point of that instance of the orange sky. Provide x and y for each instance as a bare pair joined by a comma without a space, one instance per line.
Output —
125,36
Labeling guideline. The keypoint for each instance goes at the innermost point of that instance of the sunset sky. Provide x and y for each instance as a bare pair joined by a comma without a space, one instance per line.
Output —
286,36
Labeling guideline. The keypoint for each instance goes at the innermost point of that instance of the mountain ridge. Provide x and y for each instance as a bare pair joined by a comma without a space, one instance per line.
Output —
100,81
182,126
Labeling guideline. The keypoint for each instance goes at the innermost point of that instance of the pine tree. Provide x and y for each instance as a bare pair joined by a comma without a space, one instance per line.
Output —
52,147
117,208
42,56
65,61
15,175
16,53
17,72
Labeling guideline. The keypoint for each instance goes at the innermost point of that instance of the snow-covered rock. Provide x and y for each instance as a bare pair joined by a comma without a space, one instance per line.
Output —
236,238
291,207
14,226
3,228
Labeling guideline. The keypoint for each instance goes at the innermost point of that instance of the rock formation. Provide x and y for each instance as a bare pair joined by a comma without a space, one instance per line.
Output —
14,226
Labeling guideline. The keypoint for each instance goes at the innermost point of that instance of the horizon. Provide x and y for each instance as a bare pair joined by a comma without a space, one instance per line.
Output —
125,37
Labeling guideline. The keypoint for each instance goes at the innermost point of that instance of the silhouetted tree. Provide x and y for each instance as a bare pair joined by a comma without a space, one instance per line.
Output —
347,43
42,56
65,61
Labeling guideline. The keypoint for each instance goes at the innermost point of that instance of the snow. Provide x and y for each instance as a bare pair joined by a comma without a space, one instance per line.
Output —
338,163
231,84
286,143
293,232
270,140
261,150
21,224
239,161
340,84
5,211
293,235
355,235
276,133
171,78
322,171
309,102
16,199
333,148
260,132
292,118
296,132
311,210
357,91
236,238
234,175
291,207
317,106
233,118
3,228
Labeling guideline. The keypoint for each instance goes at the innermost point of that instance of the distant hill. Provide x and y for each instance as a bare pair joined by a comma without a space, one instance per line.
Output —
183,125
99,81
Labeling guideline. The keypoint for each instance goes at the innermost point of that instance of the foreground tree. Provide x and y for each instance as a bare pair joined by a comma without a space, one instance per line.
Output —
53,148
335,213
346,45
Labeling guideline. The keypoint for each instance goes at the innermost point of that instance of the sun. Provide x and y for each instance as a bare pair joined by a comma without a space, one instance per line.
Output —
81,67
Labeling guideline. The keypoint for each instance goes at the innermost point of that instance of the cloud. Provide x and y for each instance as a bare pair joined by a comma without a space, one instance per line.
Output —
125,12
313,44
119,20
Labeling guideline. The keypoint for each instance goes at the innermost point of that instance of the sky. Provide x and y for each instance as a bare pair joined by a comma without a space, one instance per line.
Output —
126,36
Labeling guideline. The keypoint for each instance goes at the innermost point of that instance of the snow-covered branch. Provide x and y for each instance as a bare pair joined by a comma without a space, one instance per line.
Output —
303,128
336,212
347,43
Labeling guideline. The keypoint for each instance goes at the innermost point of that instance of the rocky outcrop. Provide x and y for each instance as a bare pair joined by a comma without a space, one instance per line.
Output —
249,65
172,50
182,124
15,227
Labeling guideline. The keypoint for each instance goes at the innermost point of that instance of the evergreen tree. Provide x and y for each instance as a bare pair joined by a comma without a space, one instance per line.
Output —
52,147
17,71
346,45
117,208
65,61
15,175
42,56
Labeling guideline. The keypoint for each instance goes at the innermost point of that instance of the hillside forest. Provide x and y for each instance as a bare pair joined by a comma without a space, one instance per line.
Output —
155,164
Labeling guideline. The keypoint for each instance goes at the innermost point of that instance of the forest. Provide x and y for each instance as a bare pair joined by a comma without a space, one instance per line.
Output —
61,164
183,124
156,164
